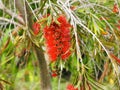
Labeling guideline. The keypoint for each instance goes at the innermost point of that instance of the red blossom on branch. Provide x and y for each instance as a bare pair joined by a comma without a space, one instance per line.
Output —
57,37
71,87
36,28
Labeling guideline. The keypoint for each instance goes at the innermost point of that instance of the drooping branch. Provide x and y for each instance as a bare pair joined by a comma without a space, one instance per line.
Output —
6,10
44,73
11,21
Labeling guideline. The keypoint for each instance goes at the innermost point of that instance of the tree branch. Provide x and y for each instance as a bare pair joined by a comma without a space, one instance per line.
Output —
44,74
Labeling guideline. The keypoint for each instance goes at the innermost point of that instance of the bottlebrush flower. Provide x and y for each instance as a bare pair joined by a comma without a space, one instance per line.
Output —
115,8
116,58
71,87
57,38
36,28
63,22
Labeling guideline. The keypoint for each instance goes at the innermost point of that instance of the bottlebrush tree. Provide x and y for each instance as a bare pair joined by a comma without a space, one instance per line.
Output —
71,44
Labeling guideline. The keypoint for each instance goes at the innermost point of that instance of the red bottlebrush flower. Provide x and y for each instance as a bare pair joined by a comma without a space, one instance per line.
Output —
71,87
116,58
57,37
67,54
53,53
115,8
36,28
66,47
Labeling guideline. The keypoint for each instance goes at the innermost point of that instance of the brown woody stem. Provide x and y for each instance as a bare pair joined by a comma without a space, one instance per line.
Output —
44,73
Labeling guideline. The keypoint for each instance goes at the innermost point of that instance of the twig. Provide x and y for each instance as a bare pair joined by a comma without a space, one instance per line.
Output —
11,21
5,81
104,72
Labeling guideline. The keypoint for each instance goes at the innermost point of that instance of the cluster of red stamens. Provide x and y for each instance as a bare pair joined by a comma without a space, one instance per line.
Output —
71,87
57,37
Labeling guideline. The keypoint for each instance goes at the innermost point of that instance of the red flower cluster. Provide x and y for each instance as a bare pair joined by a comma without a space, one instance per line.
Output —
58,39
71,87
115,8
36,28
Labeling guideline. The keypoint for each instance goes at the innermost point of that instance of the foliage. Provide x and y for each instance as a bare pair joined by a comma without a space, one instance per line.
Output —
95,45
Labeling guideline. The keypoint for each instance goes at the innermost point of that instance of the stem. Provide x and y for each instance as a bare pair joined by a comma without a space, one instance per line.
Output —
59,80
